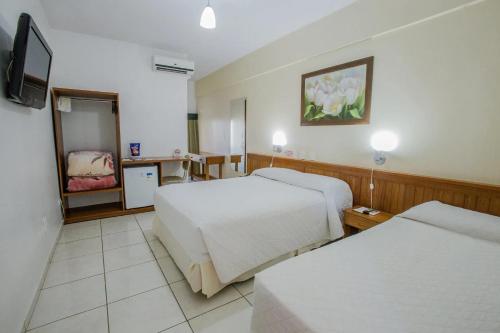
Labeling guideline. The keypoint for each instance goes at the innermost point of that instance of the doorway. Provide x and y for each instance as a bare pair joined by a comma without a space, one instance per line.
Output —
238,142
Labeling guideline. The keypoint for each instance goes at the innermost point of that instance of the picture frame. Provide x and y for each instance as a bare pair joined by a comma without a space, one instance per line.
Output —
338,95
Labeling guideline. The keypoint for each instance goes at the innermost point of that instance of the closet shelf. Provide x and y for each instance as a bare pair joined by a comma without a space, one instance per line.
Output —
93,212
90,192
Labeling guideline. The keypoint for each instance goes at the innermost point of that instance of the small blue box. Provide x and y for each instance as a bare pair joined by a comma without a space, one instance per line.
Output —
135,150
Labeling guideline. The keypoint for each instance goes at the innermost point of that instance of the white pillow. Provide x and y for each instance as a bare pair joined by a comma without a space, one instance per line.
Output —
329,185
460,220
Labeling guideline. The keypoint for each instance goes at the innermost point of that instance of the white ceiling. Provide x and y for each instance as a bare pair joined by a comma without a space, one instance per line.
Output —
173,25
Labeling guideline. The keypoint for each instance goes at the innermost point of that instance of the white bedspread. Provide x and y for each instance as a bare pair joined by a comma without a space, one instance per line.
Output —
244,222
415,273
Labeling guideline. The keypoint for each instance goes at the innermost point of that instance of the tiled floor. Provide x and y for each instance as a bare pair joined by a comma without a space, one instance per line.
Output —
114,275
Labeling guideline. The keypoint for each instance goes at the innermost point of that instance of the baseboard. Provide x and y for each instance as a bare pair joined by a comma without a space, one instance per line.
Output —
42,280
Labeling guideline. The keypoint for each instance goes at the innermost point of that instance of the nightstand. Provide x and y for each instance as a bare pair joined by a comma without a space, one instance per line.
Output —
354,221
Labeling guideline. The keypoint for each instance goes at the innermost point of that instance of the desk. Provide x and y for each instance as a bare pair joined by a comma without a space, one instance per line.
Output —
157,160
236,159
153,160
215,159
211,159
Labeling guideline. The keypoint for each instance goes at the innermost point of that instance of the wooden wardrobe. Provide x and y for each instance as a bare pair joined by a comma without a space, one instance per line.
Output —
110,103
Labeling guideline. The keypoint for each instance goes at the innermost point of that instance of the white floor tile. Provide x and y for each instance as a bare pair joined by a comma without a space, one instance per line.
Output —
76,249
145,220
82,230
118,224
127,256
194,304
181,328
122,218
249,298
159,250
68,299
94,321
230,318
73,269
169,268
139,300
76,225
245,287
149,234
133,280
152,311
121,239
82,224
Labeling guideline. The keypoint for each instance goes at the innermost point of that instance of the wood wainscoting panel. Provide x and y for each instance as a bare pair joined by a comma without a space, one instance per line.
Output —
394,192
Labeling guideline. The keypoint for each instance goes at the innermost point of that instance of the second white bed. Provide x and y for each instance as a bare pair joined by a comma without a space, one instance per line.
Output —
434,268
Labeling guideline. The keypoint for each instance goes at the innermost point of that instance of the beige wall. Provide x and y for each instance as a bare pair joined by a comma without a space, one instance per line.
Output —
436,84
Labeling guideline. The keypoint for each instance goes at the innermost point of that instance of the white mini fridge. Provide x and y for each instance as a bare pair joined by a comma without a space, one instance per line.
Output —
140,186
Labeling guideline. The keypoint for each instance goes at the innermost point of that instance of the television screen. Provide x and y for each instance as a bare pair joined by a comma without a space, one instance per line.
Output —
32,57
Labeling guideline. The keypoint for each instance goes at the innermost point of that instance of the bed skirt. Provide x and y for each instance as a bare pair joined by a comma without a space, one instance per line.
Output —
202,275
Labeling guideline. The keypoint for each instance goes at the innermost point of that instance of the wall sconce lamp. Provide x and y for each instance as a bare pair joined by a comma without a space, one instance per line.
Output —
381,142
279,141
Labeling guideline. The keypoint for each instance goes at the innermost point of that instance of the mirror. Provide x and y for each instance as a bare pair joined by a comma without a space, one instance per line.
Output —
238,135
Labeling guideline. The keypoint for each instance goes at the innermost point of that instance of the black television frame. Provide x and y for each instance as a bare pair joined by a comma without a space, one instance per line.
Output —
16,67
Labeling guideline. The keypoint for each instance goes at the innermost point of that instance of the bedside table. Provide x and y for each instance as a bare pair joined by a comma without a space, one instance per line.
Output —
354,221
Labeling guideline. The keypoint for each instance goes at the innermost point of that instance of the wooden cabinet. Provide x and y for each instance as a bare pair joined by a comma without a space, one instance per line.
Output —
354,221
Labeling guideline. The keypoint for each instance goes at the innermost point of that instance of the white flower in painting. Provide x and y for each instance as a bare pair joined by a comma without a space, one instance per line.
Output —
351,88
333,91
327,85
320,97
318,90
311,93
333,104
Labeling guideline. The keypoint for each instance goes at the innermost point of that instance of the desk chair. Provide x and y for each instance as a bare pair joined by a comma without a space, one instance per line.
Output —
186,166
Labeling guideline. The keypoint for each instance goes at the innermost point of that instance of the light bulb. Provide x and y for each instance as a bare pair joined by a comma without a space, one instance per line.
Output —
207,20
279,139
384,141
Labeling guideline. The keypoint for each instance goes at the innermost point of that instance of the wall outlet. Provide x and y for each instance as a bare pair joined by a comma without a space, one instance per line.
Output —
44,222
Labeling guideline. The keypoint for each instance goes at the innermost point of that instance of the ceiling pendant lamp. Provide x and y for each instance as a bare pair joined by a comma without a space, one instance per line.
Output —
207,20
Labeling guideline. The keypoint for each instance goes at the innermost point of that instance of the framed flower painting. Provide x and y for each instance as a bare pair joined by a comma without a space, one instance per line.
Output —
338,95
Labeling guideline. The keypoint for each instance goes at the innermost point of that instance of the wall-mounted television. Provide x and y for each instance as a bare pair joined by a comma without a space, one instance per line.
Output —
29,70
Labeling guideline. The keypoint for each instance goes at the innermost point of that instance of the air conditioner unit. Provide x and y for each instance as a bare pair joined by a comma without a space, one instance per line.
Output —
166,64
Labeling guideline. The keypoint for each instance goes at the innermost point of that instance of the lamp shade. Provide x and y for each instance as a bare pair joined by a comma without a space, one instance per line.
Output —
279,139
384,141
207,20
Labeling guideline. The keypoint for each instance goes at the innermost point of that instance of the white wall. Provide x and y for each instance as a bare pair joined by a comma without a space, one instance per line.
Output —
435,84
153,105
153,111
28,189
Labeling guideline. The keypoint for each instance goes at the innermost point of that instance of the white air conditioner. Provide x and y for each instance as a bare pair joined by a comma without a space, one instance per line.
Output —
166,64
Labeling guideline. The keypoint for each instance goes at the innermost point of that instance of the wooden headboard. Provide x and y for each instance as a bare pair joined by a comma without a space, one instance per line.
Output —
394,192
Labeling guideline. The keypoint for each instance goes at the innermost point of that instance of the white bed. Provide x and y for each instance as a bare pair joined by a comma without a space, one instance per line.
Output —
434,268
223,231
